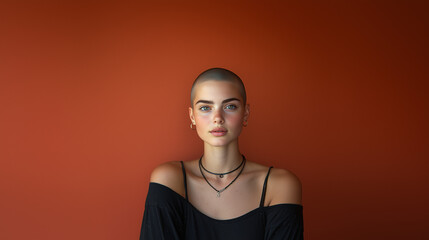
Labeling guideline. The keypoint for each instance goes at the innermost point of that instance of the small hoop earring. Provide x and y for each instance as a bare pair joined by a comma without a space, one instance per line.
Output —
244,123
191,126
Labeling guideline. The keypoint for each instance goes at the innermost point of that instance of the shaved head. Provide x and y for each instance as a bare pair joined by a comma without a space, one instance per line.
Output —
219,74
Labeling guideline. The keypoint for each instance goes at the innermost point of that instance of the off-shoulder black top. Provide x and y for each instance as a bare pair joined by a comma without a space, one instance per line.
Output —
169,216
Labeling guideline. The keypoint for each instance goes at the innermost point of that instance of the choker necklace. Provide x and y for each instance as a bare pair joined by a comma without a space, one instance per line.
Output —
222,174
223,189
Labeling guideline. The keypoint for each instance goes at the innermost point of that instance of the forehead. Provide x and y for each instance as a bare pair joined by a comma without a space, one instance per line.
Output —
217,90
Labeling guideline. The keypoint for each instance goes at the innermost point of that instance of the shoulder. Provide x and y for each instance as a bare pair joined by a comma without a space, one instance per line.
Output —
169,174
283,187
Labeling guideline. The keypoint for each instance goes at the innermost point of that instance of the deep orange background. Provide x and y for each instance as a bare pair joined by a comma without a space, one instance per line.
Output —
94,95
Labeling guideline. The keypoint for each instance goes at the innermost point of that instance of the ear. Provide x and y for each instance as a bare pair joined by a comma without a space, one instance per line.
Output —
191,115
246,112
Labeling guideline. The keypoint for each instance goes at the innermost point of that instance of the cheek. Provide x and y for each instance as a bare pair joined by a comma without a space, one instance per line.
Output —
235,119
202,119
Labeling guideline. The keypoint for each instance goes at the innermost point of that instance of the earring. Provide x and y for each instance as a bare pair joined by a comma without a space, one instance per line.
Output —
245,123
192,123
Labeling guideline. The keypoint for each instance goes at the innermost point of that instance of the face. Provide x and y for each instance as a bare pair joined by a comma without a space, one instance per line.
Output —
218,112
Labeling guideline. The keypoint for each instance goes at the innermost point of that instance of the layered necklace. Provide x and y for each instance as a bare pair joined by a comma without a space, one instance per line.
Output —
221,175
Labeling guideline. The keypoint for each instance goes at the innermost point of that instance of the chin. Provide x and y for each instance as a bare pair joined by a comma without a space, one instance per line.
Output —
218,142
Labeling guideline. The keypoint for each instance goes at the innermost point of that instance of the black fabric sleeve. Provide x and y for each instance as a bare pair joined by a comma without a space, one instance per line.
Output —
163,217
284,221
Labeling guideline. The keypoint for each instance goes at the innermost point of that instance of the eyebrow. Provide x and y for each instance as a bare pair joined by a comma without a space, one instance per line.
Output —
211,102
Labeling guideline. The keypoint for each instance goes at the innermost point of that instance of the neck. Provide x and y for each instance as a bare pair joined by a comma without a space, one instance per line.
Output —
221,159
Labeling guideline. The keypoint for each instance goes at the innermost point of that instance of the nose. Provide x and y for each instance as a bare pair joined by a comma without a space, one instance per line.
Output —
218,117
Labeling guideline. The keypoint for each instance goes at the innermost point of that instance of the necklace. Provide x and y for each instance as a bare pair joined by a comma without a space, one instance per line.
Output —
222,174
223,189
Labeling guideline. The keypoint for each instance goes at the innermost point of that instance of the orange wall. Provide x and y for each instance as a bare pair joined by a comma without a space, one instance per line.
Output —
94,95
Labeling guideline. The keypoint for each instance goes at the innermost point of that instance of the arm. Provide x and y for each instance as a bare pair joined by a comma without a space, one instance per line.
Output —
164,213
283,187
285,216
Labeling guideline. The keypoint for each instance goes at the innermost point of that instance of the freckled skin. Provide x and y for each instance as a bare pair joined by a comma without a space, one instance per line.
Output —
229,115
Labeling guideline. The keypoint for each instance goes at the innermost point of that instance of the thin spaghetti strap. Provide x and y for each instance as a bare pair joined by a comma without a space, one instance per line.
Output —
184,180
264,189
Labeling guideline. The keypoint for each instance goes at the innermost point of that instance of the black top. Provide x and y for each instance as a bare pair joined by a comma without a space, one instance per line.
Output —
169,216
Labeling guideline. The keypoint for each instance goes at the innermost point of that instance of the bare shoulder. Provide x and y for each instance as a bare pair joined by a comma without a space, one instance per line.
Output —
283,187
169,174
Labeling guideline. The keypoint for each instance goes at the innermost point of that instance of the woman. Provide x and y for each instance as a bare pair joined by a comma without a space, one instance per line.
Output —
221,195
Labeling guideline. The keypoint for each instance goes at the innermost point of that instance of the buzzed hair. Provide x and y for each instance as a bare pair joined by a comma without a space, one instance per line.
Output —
219,74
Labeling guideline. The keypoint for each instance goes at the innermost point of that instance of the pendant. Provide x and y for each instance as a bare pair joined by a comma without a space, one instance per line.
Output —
218,194
221,175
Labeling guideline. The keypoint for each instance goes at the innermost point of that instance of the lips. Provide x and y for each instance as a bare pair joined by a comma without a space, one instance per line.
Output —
218,132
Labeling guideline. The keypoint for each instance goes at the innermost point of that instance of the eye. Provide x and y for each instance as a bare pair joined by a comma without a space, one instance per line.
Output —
231,107
204,108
